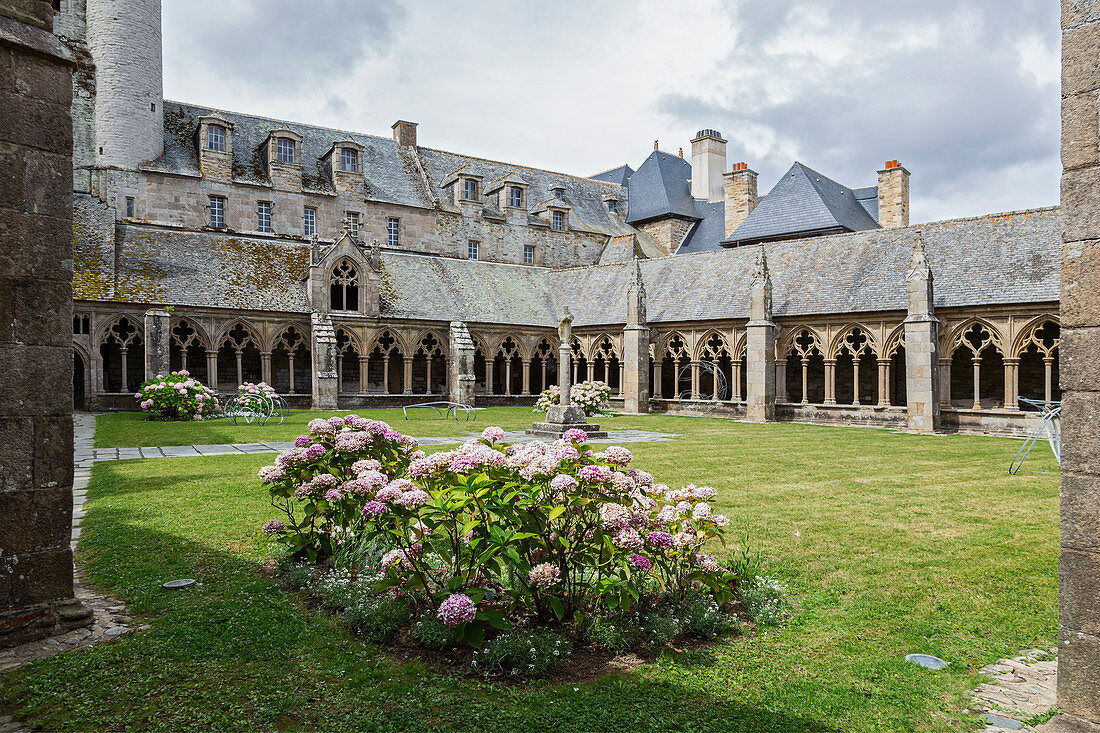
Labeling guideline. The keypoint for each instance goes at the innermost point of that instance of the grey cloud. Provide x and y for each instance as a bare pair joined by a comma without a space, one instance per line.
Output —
287,44
958,115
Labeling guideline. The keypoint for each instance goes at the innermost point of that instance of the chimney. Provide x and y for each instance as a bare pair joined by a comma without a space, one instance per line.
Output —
740,192
893,195
708,163
404,133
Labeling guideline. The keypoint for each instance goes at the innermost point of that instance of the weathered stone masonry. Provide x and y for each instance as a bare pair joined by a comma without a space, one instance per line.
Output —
36,427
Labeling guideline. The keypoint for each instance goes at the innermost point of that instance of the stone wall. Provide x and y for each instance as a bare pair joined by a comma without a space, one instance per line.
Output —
1079,562
668,232
36,426
182,201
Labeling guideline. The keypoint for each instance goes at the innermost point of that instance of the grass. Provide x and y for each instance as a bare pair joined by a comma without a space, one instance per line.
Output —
133,429
889,543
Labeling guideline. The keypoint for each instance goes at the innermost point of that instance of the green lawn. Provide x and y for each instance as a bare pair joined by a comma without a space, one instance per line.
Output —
128,429
889,543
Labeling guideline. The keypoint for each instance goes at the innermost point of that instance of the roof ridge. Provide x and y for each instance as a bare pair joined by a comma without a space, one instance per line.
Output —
518,165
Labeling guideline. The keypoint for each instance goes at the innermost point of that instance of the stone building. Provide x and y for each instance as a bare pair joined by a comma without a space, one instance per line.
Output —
335,265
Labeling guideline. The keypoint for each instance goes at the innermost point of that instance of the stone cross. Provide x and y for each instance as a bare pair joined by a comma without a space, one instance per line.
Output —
565,351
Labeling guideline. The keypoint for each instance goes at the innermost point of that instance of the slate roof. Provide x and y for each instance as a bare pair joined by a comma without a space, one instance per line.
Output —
1005,258
660,188
391,171
588,211
802,202
620,175
997,259
708,231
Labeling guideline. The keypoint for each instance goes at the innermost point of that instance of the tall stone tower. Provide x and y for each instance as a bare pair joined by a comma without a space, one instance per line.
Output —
124,38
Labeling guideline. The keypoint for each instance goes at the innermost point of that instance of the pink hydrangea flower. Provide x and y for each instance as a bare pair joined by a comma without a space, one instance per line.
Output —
320,427
641,562
366,464
388,493
575,434
303,441
373,508
274,527
661,540
707,563
614,516
493,433
544,575
720,520
315,451
563,483
701,511
271,474
628,539
458,609
333,494
618,455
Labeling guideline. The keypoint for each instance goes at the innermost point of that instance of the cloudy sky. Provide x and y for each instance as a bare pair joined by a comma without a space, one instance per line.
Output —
964,93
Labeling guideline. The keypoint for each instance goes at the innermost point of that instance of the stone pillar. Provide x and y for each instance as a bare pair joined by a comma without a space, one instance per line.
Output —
407,376
922,383
1012,367
884,382
657,378
634,379
212,370
489,376
1079,563
780,380
323,350
735,388
265,369
364,373
760,343
591,370
694,379
945,382
157,339
461,377
36,352
830,381
386,374
526,377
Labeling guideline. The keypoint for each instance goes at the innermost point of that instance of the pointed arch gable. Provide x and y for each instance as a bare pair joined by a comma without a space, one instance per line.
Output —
840,339
201,336
789,337
954,340
251,328
1023,338
701,344
895,341
99,333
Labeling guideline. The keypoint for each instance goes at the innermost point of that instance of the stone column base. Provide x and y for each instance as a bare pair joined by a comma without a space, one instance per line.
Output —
27,623
1063,723
560,418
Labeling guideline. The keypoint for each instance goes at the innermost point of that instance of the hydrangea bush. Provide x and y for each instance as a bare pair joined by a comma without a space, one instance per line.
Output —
262,388
592,397
490,535
177,396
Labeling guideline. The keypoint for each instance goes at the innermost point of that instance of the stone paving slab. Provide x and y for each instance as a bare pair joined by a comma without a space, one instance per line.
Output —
1019,689
223,449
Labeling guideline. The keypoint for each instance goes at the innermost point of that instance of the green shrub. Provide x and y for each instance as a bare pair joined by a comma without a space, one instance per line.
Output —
432,632
524,652
377,618
701,617
765,600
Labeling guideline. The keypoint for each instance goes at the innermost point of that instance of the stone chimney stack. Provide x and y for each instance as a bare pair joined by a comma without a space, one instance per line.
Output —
893,196
708,163
740,194
404,132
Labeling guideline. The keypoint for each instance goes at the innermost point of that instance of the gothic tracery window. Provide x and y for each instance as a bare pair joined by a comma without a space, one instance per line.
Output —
344,287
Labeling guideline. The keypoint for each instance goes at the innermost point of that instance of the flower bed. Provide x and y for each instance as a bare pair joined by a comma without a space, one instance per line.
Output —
177,396
263,388
592,397
468,548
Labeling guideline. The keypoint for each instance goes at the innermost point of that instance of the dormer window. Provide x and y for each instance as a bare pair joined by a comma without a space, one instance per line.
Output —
349,160
469,189
515,196
284,150
612,205
558,192
557,221
215,138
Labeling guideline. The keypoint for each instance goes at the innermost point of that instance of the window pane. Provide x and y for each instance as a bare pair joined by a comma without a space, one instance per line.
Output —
528,255
471,252
217,211
284,148
392,231
310,225
349,160
215,138
263,217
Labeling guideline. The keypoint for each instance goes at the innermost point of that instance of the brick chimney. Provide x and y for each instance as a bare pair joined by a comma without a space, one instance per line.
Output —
893,195
404,132
740,195
708,163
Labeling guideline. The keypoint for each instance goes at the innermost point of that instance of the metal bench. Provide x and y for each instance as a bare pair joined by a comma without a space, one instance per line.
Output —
443,409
